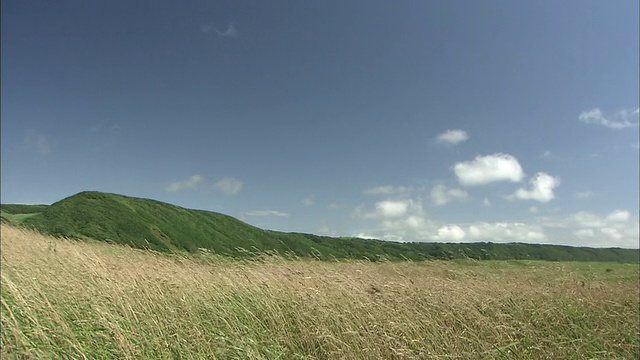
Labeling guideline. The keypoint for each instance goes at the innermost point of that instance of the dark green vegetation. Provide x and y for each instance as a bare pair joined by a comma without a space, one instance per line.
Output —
150,224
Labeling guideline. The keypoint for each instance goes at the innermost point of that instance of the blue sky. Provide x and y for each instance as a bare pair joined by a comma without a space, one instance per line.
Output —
410,121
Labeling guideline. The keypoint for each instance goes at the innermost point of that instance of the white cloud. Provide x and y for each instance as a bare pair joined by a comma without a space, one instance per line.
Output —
636,145
267,213
618,228
231,32
205,28
541,188
365,236
588,219
188,184
391,209
506,232
450,233
39,142
229,186
486,202
620,120
441,195
619,216
405,220
487,169
387,209
387,190
309,201
453,137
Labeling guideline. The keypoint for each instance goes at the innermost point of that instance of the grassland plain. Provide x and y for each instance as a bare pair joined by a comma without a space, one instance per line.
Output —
65,299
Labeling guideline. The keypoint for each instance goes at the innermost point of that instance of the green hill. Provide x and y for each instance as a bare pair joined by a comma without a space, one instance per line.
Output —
150,224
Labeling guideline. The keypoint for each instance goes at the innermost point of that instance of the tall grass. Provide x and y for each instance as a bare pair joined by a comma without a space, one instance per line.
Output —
64,299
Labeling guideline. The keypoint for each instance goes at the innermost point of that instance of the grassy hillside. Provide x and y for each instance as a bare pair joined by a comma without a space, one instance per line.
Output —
88,300
149,224
16,214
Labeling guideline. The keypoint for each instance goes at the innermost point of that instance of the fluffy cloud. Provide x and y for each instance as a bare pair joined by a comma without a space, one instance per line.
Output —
227,185
620,120
541,188
450,233
391,209
506,232
619,216
388,209
616,229
453,137
441,195
487,169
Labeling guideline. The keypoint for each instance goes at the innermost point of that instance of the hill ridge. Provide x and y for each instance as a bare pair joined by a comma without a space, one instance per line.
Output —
152,224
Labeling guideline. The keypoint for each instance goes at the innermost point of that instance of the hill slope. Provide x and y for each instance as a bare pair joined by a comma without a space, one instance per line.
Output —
150,224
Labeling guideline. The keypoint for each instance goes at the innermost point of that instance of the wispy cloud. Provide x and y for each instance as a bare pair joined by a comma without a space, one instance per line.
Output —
39,142
620,120
487,169
547,154
227,185
453,137
441,195
231,32
189,184
267,213
387,190
584,194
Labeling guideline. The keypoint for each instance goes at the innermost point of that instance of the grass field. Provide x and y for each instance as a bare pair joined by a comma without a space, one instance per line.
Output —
65,299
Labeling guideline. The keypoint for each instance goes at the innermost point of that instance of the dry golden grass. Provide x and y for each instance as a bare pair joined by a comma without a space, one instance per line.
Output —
89,300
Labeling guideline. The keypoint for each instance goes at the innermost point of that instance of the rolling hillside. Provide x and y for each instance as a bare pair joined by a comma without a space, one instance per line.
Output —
150,224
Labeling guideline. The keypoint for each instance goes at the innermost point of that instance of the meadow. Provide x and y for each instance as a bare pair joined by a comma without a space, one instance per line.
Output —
67,299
